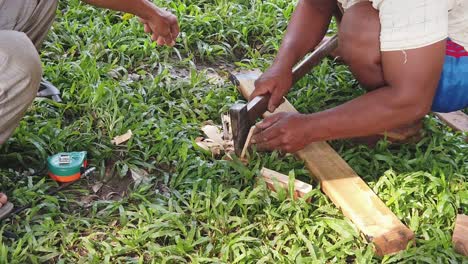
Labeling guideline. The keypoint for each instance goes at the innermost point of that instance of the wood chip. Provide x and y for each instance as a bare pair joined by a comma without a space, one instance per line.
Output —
214,133
215,140
227,130
122,138
139,176
97,186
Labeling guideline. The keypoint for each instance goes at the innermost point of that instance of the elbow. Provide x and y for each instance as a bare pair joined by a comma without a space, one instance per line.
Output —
412,105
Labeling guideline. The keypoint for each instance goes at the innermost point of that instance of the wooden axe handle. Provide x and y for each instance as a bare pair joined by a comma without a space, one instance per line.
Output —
257,107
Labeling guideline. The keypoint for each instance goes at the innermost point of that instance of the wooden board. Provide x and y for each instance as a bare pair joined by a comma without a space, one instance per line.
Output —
456,120
270,176
346,189
460,234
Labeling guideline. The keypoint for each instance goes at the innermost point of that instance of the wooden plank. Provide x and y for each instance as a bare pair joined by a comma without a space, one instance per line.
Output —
346,189
456,120
269,176
460,234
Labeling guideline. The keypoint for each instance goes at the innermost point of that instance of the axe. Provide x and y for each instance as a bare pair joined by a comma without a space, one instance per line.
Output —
244,116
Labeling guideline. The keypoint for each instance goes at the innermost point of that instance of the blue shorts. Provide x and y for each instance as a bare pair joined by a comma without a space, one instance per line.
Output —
452,92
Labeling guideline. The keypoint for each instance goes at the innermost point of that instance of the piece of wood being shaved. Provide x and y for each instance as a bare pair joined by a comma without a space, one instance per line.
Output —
247,142
270,176
227,130
460,235
214,133
122,138
346,189
456,120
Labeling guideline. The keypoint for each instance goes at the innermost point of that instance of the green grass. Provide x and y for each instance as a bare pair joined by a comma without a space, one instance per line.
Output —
196,209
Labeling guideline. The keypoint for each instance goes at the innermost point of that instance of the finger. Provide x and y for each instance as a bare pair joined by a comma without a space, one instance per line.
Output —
142,20
160,41
267,135
175,30
147,28
154,37
266,130
257,130
168,40
274,144
164,37
3,199
269,121
260,89
275,100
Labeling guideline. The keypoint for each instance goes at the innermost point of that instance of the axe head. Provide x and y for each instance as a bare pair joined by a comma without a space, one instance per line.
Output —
243,117
240,124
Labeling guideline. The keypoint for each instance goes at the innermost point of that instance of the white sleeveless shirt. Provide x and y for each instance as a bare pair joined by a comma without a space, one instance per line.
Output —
410,24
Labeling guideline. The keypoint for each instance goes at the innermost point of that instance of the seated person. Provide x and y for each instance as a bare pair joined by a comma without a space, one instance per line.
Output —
410,55
23,27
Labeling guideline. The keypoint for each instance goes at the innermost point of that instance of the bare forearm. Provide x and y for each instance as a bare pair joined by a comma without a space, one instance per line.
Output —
412,79
372,113
140,8
306,29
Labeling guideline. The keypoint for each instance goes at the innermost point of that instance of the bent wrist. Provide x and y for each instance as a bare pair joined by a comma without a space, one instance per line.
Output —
147,10
281,65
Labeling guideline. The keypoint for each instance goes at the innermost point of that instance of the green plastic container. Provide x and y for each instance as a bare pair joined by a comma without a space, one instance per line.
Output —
66,166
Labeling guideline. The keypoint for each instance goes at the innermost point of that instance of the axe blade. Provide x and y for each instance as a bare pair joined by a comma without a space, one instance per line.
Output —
240,125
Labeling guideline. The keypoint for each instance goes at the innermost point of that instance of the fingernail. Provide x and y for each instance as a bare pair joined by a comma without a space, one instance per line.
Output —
253,141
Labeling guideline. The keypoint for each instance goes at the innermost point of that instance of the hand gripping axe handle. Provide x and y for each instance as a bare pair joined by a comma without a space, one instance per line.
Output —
244,116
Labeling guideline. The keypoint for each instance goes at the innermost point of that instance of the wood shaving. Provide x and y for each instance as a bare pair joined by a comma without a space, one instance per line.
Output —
247,142
122,138
227,129
218,139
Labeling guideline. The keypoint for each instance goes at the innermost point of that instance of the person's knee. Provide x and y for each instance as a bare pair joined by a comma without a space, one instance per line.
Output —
359,44
20,75
20,56
28,60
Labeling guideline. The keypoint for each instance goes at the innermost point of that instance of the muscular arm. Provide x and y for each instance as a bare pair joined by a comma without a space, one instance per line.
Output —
308,25
306,29
411,81
141,8
408,96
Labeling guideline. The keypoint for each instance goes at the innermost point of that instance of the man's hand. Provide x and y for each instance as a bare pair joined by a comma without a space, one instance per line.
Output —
162,26
276,81
287,132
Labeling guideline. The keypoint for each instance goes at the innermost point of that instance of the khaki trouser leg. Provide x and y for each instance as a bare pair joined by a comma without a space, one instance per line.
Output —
20,74
23,26
33,17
